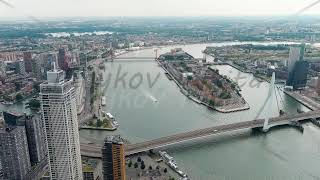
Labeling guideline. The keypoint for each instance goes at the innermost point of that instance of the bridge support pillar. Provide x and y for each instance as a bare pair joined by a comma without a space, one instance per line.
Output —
265,126
269,103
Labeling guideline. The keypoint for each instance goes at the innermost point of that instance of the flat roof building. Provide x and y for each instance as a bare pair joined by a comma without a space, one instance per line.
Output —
14,153
59,113
113,159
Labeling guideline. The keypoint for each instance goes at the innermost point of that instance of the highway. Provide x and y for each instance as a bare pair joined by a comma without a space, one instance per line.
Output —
94,151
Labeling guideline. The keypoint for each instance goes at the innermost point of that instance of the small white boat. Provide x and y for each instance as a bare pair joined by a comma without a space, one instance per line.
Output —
103,101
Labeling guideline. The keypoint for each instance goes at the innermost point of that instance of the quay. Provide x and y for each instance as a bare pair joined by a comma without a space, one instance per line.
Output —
309,103
98,128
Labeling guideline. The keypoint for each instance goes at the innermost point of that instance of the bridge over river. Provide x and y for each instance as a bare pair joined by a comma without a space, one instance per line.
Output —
94,151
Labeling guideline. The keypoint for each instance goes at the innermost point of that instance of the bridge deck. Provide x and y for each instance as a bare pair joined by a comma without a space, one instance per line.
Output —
95,151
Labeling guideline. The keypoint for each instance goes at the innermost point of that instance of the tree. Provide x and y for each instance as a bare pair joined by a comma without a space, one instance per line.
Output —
130,163
150,167
33,104
225,95
158,167
139,159
90,123
36,86
136,165
19,97
17,86
165,170
219,83
99,123
143,166
211,102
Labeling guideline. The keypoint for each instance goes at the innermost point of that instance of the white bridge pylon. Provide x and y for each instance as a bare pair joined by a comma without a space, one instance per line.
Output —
267,105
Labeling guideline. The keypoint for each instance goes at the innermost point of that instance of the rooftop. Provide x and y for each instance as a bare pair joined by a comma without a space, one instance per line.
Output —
89,165
116,139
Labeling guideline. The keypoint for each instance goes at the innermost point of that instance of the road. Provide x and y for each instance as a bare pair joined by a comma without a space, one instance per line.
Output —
95,150
87,113
38,171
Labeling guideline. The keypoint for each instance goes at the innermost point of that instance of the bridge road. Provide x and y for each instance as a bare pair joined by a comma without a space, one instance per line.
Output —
95,151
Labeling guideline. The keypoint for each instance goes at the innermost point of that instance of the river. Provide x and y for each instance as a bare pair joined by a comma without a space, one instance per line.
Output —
157,108
283,153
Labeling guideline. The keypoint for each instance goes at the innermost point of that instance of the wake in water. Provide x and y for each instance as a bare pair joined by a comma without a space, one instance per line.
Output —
150,96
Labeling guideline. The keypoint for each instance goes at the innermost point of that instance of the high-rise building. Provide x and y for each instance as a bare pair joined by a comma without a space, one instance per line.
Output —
296,54
14,154
33,130
47,60
59,113
113,160
62,59
36,67
299,75
2,68
20,67
297,68
35,137
27,58
13,118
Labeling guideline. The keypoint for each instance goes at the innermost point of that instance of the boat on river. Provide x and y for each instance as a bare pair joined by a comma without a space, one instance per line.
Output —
103,101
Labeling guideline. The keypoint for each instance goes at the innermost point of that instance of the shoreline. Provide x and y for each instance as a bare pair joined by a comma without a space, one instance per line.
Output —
300,100
97,128
220,109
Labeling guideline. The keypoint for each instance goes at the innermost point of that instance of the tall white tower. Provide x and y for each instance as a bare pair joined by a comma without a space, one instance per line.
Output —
59,113
270,100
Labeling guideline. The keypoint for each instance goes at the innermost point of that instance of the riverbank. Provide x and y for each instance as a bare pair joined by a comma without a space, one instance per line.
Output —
309,103
98,128
242,106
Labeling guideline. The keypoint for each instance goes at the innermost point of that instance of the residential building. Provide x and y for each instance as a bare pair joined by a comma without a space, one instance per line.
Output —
36,67
113,159
36,140
27,58
59,113
13,118
2,68
62,59
34,132
20,67
14,155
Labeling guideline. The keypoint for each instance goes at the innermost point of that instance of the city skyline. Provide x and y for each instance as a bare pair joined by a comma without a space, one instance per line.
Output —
96,8
159,97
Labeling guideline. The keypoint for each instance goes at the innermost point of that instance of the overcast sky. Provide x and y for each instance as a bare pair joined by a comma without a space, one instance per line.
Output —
58,8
